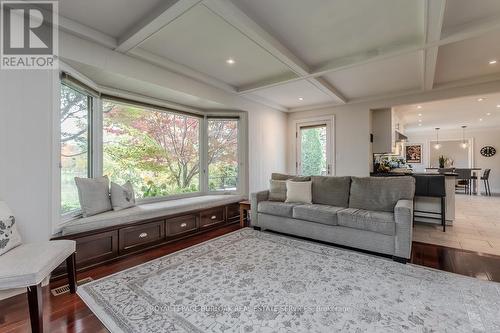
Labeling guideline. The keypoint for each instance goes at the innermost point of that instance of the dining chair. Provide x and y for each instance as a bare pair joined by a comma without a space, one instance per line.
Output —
464,178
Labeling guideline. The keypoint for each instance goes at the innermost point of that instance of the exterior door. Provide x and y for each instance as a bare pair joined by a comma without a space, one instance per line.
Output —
315,148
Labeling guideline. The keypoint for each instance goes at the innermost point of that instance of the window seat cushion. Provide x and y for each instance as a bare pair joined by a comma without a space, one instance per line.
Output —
146,211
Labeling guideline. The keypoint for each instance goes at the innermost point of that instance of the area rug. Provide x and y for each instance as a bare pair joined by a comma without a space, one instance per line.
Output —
252,281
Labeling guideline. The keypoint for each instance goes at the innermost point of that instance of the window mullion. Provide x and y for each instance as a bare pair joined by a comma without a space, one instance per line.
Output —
204,156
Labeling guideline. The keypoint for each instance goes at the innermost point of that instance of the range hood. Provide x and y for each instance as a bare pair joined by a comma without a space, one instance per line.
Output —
401,137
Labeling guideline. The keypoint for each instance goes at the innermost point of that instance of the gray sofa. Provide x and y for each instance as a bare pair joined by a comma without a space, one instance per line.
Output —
369,213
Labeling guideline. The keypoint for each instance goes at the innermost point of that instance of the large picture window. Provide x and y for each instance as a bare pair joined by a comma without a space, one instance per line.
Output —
223,154
75,142
156,150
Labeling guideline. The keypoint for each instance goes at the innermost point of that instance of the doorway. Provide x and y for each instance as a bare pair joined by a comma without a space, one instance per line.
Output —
315,148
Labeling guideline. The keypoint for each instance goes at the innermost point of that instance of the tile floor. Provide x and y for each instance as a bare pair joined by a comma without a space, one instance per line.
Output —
476,227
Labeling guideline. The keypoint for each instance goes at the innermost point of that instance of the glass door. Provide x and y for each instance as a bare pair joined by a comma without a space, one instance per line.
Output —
314,148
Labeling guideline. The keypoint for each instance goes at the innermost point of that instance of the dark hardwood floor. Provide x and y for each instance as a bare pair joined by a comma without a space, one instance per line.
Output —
67,313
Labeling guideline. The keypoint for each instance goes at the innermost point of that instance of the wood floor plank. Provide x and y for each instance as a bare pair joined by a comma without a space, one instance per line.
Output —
67,313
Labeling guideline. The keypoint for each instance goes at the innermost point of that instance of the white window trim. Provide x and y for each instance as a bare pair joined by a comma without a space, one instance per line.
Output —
97,148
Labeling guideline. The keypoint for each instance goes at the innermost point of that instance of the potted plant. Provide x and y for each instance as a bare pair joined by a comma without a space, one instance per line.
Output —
442,161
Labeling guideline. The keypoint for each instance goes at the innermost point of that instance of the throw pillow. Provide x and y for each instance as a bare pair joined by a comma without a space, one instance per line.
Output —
282,176
9,236
94,195
277,190
122,196
299,192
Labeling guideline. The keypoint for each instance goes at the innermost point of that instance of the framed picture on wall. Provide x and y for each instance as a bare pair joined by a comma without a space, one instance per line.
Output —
413,153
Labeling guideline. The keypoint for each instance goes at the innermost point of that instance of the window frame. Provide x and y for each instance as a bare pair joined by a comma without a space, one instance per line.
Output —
239,154
91,103
96,120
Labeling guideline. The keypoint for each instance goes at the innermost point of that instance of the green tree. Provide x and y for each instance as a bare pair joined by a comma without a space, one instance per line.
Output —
312,155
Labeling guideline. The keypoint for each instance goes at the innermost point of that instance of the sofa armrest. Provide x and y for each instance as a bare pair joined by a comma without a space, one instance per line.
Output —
255,199
403,215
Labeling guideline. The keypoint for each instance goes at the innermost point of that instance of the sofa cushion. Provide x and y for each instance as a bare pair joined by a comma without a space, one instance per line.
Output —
276,208
146,211
277,190
380,193
317,213
376,221
282,176
333,191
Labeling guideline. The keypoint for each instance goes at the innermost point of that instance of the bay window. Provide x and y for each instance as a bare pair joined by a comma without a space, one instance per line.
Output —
162,152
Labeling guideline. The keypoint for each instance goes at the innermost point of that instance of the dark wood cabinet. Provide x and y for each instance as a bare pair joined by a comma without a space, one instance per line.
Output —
233,213
211,217
139,236
102,245
181,225
96,248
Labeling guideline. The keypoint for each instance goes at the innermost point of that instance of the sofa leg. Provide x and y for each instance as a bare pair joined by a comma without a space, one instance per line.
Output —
36,308
71,267
400,259
256,228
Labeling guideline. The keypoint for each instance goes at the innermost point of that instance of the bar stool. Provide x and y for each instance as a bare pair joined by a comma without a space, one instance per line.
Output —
432,186
486,180
464,180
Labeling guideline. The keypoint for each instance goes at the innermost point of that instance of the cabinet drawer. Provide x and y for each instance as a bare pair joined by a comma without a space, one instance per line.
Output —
233,212
211,216
139,236
96,248
181,224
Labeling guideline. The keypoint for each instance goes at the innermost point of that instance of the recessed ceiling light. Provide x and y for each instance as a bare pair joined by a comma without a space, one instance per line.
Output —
420,120
488,114
492,62
420,115
419,124
480,99
419,106
480,119
498,106
230,61
301,98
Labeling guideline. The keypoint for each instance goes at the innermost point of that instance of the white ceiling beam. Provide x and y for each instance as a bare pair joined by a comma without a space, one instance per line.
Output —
168,11
238,19
86,32
434,17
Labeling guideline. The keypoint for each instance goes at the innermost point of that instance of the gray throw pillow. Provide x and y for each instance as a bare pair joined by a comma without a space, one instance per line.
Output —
122,196
277,190
94,195
333,191
282,176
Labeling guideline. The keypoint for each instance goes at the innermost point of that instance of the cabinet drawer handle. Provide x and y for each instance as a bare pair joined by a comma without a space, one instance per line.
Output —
144,234
183,225
213,217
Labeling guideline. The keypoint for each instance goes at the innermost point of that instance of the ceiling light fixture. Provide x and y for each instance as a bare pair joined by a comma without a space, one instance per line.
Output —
480,119
301,98
480,99
420,115
419,106
437,145
498,106
420,120
419,124
230,61
488,114
464,144
492,62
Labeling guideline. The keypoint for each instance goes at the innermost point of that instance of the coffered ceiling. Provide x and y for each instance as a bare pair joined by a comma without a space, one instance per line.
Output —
293,54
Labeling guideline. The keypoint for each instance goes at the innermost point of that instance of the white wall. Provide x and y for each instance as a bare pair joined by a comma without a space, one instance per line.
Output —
26,110
267,147
353,124
481,137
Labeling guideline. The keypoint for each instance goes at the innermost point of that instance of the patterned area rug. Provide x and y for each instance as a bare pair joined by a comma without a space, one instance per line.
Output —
251,281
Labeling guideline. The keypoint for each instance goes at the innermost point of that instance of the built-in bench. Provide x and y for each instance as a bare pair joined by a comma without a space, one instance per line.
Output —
115,234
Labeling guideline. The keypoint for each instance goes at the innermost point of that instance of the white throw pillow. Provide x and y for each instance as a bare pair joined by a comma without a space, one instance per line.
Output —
9,236
94,195
122,196
299,192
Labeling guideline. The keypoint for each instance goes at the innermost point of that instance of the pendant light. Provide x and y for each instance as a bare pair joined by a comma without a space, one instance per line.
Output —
464,144
437,145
